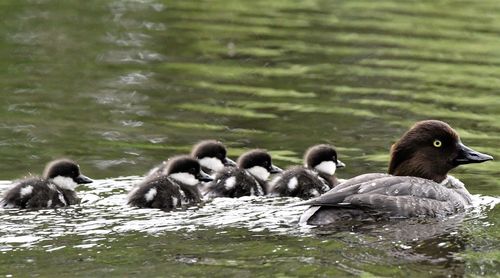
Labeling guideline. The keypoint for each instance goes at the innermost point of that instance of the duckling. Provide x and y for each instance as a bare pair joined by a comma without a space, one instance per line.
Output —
248,179
211,154
175,187
417,183
315,178
56,188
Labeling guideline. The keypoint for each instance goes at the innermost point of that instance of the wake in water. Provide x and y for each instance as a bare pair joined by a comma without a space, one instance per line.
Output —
104,212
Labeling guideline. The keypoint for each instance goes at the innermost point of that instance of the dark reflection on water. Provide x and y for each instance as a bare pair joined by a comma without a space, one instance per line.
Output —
121,85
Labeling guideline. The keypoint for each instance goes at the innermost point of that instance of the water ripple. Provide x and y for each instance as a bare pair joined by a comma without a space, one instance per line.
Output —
104,211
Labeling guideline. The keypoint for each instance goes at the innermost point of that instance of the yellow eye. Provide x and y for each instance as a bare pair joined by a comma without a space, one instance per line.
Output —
437,143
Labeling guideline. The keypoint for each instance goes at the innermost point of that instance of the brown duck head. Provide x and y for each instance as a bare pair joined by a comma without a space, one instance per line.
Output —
430,149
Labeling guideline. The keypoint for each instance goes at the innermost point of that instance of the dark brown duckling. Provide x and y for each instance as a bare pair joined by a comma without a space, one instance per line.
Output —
55,189
417,184
211,154
316,177
248,179
175,187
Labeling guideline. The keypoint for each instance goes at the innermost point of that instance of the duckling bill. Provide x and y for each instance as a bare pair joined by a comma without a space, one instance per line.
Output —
417,183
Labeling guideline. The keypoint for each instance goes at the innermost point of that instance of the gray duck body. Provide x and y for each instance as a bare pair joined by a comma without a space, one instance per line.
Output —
382,196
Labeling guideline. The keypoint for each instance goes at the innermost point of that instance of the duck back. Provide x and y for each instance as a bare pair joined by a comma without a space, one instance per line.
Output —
375,196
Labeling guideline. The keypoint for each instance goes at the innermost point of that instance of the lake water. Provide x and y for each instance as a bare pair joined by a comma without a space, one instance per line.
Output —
121,85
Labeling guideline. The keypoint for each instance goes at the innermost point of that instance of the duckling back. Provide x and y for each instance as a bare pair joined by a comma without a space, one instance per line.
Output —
162,193
34,193
298,182
234,182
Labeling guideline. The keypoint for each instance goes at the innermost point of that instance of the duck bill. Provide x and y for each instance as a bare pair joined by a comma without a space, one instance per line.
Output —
340,164
229,162
81,179
202,176
275,170
467,155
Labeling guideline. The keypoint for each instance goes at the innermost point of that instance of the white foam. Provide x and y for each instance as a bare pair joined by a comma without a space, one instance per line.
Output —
185,178
212,163
27,190
327,167
49,203
259,172
149,196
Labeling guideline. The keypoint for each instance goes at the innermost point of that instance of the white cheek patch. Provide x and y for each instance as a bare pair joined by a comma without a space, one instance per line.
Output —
25,191
230,183
185,178
65,182
327,167
212,163
150,195
292,184
259,172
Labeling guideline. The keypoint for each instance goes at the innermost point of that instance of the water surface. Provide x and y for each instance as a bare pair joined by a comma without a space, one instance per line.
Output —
121,85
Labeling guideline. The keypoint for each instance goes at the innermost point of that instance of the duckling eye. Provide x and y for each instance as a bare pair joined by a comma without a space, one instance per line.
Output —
437,143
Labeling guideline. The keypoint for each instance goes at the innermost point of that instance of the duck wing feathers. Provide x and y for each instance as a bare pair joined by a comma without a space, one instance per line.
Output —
388,196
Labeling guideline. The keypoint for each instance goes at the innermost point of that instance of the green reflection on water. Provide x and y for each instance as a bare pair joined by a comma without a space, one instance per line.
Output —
122,85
